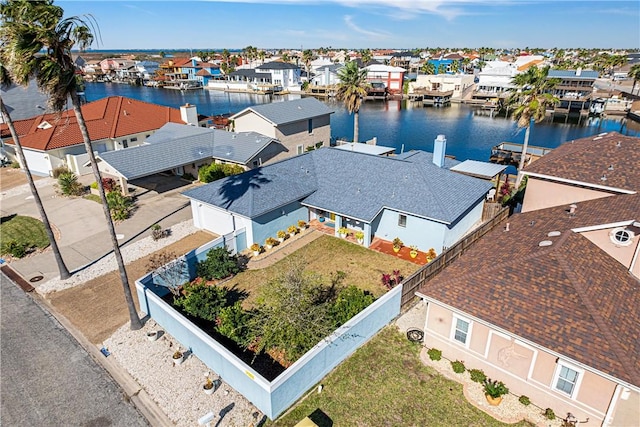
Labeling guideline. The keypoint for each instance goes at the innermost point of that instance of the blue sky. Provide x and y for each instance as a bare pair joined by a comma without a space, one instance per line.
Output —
358,24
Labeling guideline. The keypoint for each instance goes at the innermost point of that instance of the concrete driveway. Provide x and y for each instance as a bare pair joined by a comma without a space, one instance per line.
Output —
81,227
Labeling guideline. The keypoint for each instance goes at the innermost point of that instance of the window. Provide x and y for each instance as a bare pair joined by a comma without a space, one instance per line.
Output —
461,330
621,236
125,144
300,149
134,139
402,220
566,379
310,126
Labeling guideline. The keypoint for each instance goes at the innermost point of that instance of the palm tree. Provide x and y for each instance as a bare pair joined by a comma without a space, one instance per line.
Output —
429,68
307,57
634,73
62,268
29,27
351,90
530,99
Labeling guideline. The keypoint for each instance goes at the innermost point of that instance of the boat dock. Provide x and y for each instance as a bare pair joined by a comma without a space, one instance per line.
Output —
510,153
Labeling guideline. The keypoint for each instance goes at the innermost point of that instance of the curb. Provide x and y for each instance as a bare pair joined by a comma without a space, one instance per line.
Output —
133,392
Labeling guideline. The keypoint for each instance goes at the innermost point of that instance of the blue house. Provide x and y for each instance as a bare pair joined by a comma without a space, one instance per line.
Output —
415,197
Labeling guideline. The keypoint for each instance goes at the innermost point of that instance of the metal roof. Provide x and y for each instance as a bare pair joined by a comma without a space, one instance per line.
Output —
176,145
280,113
478,169
566,74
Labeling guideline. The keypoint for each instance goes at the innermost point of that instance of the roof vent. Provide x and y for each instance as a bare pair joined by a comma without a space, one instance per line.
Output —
233,136
545,243
532,223
553,234
619,144
610,167
603,177
44,125
125,112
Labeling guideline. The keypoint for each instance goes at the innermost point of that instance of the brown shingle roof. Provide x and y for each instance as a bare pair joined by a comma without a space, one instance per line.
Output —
588,159
111,117
570,297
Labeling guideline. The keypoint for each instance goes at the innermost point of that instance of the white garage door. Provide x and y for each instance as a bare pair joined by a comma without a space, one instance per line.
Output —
211,219
38,162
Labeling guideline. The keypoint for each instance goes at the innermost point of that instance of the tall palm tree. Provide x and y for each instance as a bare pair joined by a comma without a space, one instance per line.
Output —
62,268
351,90
634,73
307,57
429,68
529,100
30,27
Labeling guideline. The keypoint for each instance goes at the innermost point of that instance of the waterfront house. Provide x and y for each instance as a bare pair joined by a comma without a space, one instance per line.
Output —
283,74
299,125
575,90
455,86
327,75
495,80
50,140
416,198
391,77
548,304
589,168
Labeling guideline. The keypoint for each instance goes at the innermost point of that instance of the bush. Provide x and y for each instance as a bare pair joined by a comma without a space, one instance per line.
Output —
271,241
477,375
69,185
109,185
15,248
434,354
15,165
202,301
494,388
524,400
350,301
216,171
282,234
549,414
232,322
56,172
458,366
218,265
120,206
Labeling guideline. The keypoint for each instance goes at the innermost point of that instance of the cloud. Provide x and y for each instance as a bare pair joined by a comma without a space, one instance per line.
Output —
139,9
348,19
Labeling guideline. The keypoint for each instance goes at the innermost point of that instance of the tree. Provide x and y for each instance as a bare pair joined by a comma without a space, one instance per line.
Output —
429,68
530,99
307,57
634,73
62,268
351,90
30,27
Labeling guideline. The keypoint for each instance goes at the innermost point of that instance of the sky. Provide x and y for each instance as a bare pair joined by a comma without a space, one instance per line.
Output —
361,24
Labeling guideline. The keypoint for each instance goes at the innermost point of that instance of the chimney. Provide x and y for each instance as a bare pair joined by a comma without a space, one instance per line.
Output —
578,72
439,149
189,114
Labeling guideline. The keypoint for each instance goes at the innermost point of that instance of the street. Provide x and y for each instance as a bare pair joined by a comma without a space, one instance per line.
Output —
48,379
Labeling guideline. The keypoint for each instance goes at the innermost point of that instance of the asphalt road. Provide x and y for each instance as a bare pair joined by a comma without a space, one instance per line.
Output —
47,378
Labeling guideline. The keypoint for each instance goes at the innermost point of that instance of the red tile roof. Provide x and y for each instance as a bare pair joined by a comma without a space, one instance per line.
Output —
587,160
570,297
112,117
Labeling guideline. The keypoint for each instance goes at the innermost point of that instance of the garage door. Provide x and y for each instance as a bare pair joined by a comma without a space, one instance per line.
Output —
211,219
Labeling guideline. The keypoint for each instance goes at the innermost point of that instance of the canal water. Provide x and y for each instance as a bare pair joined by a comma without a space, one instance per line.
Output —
400,124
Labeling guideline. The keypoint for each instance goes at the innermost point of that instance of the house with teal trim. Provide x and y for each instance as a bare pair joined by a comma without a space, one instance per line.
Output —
415,197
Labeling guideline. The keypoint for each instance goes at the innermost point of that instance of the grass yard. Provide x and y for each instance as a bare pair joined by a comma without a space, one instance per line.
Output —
384,383
327,255
24,230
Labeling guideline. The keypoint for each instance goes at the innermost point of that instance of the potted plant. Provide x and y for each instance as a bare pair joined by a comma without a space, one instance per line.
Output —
152,335
256,249
302,224
178,357
414,251
281,235
208,386
270,242
342,231
359,236
397,244
431,255
292,229
494,390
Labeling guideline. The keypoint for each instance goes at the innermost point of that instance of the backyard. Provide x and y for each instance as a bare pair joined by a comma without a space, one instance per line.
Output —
384,383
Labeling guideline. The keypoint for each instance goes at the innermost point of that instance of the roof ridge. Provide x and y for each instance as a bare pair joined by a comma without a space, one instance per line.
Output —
597,318
114,126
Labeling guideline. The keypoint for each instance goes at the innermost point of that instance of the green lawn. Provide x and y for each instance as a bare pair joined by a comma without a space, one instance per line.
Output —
327,255
23,229
384,383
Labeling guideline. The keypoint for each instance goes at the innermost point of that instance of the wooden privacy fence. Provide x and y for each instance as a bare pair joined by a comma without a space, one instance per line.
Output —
413,282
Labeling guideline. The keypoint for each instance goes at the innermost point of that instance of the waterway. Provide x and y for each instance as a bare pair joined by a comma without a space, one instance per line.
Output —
395,123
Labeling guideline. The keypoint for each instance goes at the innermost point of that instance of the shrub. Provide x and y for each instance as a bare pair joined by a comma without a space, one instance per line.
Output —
218,264
524,400
119,205
434,354
216,171
494,388
202,301
15,165
15,248
94,185
271,241
458,366
69,185
232,322
350,301
477,375
56,172
109,185
549,414
359,235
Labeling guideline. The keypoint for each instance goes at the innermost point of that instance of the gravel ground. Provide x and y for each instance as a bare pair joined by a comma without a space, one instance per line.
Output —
510,409
178,389
130,252
24,188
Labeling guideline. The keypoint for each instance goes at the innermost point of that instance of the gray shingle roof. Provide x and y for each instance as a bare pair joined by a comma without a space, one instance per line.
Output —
277,65
175,145
280,113
568,74
341,181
